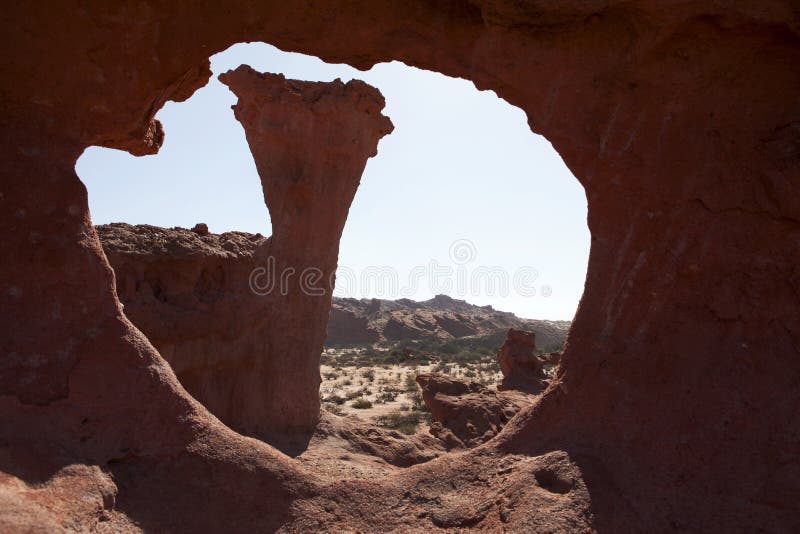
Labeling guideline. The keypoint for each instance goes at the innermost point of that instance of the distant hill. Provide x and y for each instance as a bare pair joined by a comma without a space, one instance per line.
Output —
355,322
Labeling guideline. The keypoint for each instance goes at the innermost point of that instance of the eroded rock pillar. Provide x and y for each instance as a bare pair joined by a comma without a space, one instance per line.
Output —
310,142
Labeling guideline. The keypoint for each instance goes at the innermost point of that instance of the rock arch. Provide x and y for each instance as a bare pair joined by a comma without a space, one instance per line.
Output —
681,368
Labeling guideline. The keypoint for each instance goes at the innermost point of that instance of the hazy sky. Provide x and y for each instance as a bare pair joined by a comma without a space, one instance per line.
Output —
460,197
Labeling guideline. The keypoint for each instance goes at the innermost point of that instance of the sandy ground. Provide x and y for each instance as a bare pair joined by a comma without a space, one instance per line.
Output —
378,384
340,448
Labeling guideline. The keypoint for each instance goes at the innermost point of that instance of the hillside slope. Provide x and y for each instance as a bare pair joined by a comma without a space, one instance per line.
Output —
442,318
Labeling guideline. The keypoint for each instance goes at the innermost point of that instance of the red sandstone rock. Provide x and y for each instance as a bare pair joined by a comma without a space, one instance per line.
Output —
679,120
310,142
200,229
365,437
519,363
252,358
347,328
466,414
188,291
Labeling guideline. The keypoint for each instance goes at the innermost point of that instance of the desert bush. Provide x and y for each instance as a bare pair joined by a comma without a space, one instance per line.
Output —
442,367
406,423
354,394
411,382
333,408
369,374
334,399
418,405
386,396
361,404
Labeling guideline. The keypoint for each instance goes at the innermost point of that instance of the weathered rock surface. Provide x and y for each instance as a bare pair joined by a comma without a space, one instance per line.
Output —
522,368
466,414
188,291
240,342
310,142
680,120
359,321
357,448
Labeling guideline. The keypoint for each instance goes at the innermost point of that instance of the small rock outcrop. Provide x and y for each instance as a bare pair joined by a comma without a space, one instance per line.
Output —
466,414
521,367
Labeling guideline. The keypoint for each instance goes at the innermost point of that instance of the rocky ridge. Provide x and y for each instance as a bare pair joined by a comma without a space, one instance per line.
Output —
442,318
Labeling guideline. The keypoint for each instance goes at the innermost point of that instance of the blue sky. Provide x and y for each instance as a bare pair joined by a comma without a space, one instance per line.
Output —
461,188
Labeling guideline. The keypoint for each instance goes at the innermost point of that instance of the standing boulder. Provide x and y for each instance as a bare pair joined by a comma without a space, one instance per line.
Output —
521,367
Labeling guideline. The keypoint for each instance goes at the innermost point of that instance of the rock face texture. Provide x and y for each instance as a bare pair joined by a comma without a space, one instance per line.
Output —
310,142
242,318
375,444
519,363
681,122
355,322
189,292
466,414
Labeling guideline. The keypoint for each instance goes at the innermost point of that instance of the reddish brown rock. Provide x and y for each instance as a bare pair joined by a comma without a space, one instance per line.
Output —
188,291
347,328
216,307
200,229
466,414
679,120
310,142
374,443
519,363
441,318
